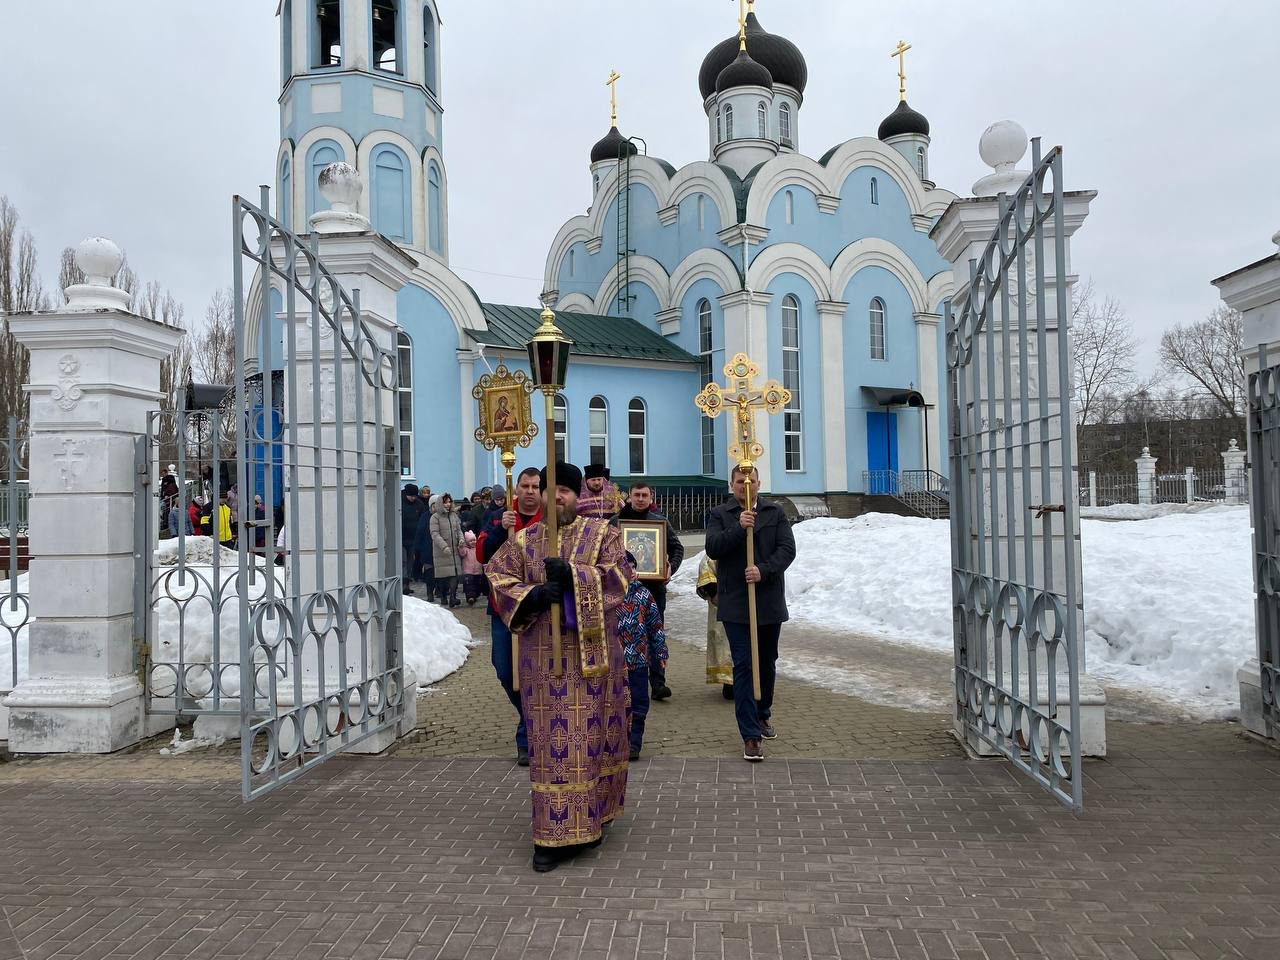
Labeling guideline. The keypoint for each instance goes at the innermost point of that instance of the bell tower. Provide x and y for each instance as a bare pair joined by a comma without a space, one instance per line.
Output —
360,82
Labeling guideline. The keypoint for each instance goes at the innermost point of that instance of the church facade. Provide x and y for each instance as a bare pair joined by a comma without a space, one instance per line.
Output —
821,270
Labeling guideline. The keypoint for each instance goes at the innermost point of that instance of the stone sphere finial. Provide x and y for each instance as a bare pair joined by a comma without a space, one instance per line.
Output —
1232,446
342,185
1001,146
1146,451
98,259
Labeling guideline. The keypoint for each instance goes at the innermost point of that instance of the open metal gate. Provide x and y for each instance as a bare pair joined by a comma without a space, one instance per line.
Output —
276,609
1264,449
1014,525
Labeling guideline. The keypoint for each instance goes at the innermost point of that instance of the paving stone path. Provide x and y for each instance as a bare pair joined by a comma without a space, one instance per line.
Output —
890,847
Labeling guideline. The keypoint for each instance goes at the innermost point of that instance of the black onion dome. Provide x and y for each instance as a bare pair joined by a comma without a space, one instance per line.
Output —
744,72
902,121
612,146
778,55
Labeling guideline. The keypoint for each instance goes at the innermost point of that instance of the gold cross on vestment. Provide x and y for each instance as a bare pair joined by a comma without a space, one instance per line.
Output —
744,398
901,54
612,84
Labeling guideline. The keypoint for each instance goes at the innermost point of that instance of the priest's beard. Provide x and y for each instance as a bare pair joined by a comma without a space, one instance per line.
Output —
567,514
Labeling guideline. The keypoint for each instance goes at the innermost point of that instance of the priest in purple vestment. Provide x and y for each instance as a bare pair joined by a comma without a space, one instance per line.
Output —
578,721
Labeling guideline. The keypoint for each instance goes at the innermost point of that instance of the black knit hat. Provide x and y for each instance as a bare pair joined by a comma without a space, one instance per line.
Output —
410,489
567,475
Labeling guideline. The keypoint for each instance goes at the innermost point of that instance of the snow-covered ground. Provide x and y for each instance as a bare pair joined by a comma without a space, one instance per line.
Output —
1168,600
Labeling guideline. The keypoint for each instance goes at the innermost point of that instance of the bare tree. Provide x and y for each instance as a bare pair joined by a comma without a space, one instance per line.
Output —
1207,354
21,291
1102,353
214,350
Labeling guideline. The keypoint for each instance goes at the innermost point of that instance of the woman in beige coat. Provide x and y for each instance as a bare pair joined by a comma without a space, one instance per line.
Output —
447,545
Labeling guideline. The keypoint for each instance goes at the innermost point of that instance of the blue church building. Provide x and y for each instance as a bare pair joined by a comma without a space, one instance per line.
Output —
820,269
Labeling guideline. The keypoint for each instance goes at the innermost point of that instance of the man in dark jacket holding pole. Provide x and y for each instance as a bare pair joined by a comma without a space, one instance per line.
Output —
728,527
639,506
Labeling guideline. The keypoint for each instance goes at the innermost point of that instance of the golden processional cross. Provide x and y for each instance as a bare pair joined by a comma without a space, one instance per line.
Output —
506,422
744,399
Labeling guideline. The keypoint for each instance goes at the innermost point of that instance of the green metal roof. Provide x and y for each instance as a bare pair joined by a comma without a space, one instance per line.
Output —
592,335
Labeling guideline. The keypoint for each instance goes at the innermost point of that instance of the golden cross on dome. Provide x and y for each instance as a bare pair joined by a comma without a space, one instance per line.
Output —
901,54
612,84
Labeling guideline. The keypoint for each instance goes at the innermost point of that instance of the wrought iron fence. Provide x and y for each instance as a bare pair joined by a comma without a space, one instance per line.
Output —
15,596
686,508
1111,489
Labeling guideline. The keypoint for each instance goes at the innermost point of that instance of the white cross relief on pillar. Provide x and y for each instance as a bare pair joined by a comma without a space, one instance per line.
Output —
68,461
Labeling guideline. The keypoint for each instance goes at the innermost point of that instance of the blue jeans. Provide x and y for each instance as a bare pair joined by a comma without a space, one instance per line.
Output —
500,656
751,712
638,680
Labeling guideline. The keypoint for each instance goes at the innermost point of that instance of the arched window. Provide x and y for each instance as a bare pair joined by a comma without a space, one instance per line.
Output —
595,183
875,191
790,201
637,442
702,212
429,48
560,412
384,29
321,154
784,124
791,438
286,41
404,354
572,259
877,329
705,345
598,431
920,163
392,216
728,121
762,120
435,215
326,34
284,200
719,127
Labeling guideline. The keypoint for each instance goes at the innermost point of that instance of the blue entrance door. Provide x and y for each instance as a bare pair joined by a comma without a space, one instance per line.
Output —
882,452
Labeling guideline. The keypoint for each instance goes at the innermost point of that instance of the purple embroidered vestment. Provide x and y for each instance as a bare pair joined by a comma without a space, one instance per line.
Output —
578,722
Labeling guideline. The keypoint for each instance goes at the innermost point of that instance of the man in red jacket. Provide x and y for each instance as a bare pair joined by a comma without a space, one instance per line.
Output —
528,510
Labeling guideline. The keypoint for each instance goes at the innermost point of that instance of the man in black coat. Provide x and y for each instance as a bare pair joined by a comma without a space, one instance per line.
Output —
412,508
639,506
728,527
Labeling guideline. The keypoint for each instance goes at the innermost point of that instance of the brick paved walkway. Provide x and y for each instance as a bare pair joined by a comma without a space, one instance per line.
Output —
1177,856
467,715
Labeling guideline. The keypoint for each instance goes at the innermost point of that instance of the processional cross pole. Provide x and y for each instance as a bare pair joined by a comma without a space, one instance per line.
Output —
744,399
506,422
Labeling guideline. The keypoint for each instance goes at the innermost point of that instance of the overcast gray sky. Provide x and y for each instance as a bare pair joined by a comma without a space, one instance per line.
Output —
138,119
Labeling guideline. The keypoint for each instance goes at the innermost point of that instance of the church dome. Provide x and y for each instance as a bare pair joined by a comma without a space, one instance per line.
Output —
902,121
744,72
612,146
778,55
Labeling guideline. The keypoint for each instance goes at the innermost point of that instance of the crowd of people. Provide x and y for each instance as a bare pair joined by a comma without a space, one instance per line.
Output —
581,718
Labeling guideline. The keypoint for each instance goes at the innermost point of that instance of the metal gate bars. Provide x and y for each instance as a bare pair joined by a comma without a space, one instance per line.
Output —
1016,582
1264,446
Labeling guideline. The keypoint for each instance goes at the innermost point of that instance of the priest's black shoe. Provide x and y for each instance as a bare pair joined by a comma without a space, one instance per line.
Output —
522,756
726,690
546,859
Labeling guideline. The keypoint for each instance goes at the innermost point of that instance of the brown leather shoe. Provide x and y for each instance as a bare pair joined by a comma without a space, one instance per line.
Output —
751,751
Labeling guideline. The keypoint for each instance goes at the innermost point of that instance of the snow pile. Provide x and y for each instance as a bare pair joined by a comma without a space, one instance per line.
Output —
1149,511
436,643
1168,601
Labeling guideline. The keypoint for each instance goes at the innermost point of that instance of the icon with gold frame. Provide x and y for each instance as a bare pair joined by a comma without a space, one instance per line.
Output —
646,540
506,415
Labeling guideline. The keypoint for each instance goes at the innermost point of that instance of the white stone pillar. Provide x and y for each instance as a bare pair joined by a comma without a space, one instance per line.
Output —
1146,477
1234,474
831,314
95,374
1093,488
329,555
1254,290
961,235
1191,484
933,454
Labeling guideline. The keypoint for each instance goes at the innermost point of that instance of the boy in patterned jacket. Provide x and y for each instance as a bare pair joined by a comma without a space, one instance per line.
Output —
643,643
